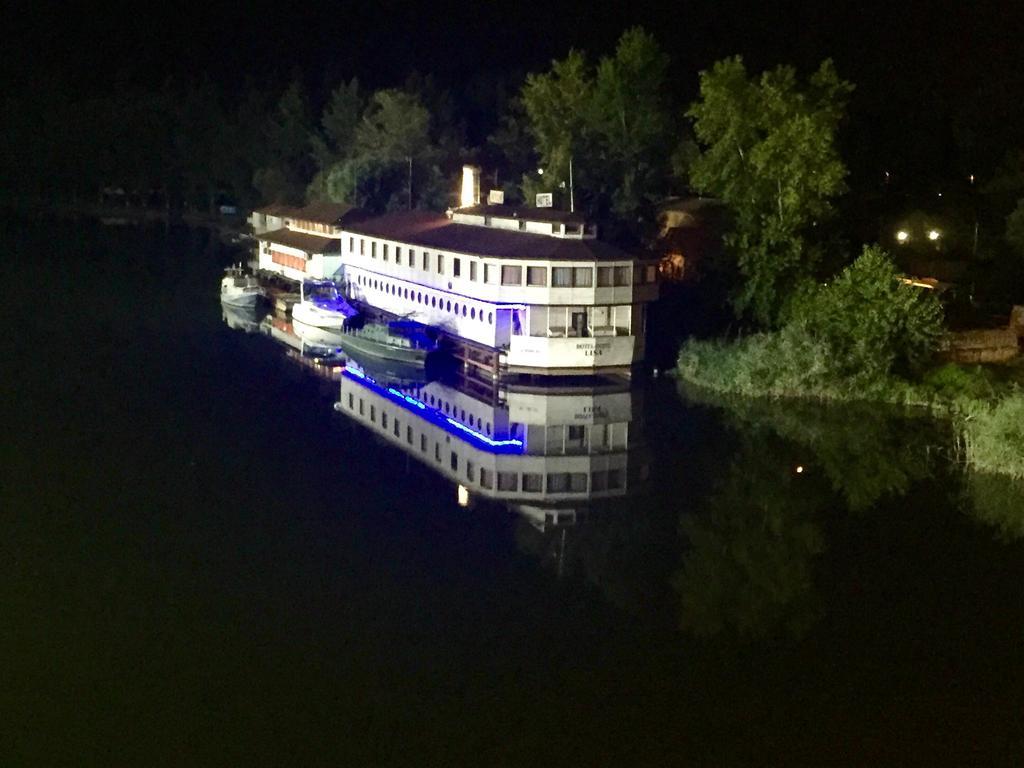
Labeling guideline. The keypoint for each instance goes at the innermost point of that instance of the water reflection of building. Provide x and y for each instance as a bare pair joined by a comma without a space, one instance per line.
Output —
547,453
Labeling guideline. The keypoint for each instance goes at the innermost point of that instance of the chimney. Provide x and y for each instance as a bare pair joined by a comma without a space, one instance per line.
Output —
470,186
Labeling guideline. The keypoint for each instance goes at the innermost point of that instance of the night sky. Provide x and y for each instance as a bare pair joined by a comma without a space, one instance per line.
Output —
926,73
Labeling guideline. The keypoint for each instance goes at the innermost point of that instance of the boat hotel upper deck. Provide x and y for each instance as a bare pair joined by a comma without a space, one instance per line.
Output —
534,283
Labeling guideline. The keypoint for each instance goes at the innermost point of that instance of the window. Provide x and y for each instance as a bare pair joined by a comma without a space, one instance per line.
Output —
437,451
490,318
578,482
456,308
463,310
440,263
490,273
385,251
561,277
486,478
351,400
622,275
456,267
533,482
575,432
398,254
448,308
362,247
472,314
454,461
650,274
508,481
384,420
351,245
599,481
373,250
433,301
605,277
426,261
472,270
360,406
470,471
583,277
537,276
573,229
408,435
511,275
373,414
558,482
423,443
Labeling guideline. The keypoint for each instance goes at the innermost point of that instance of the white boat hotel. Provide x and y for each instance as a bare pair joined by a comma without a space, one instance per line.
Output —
520,290
533,284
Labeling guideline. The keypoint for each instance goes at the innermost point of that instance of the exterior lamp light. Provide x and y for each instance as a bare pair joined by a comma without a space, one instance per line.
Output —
463,496
540,171
902,236
799,469
934,234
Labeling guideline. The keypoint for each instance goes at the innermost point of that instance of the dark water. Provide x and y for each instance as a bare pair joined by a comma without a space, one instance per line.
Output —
203,564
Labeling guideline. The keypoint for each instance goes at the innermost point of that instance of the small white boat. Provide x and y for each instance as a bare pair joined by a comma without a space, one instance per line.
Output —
321,306
238,289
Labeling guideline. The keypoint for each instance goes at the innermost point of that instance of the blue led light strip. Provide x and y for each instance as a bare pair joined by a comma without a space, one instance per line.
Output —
435,416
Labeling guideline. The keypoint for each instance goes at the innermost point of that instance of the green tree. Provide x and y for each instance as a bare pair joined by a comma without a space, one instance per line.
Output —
558,106
630,117
289,165
769,152
1015,229
872,322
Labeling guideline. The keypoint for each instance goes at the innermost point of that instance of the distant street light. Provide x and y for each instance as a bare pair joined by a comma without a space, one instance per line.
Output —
540,171
902,236
934,234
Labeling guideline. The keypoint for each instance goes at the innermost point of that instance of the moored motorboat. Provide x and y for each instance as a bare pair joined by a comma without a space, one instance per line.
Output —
239,289
322,306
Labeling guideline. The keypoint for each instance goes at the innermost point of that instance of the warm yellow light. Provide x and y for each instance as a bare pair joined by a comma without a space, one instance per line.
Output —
902,236
934,234
463,496
470,186
799,469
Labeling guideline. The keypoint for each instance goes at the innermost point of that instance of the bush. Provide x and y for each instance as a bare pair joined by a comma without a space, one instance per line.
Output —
994,437
872,323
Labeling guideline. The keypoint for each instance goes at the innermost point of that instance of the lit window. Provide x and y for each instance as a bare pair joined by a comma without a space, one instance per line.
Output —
583,277
537,276
561,277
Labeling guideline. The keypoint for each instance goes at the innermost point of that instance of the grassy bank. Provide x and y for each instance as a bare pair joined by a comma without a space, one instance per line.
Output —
988,411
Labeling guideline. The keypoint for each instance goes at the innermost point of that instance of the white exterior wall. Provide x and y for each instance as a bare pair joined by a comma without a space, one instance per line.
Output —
318,266
384,284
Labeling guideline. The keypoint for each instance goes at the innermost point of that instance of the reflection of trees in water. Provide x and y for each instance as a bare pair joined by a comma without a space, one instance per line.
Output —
997,501
866,451
749,568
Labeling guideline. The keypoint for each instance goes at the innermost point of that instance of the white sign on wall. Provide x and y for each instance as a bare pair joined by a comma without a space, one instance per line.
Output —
545,200
496,197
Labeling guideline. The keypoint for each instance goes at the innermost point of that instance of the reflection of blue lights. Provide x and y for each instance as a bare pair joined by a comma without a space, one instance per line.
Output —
434,416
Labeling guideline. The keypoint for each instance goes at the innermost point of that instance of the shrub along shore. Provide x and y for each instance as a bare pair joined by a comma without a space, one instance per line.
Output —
790,364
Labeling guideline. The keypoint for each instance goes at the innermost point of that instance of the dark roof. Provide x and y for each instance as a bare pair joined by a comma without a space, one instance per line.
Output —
302,241
321,213
329,213
432,230
529,214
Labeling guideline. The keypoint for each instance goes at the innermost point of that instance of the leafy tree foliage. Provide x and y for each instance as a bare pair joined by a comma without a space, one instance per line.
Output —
612,122
769,152
872,323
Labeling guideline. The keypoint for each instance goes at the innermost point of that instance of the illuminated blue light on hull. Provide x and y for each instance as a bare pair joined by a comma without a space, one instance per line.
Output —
436,417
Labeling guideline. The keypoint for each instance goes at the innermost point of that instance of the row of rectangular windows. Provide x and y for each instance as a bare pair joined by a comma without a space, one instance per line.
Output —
532,482
561,277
